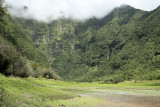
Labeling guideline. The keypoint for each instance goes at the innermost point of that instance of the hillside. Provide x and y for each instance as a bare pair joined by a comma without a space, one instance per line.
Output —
18,53
124,45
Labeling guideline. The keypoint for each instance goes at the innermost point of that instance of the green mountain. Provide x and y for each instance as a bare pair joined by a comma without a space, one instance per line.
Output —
18,53
124,45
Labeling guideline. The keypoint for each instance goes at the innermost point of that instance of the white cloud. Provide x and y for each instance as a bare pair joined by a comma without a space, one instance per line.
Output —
48,10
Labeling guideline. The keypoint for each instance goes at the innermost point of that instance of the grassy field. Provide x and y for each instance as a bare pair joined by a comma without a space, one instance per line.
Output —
40,92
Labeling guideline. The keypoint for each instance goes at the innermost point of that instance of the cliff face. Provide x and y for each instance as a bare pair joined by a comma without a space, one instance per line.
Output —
47,37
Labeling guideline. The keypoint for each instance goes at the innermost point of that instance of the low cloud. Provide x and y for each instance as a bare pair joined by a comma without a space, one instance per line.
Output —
49,10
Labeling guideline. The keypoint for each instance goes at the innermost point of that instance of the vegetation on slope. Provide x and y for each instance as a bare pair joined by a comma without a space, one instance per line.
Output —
18,53
123,45
126,47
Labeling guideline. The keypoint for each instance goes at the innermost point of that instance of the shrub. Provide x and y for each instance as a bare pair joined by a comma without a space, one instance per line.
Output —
50,75
22,68
114,80
37,74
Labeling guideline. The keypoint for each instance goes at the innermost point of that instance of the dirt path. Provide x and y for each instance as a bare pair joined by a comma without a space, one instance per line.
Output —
122,99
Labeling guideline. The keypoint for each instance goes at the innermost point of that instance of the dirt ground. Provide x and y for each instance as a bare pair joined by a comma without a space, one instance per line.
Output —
126,100
130,101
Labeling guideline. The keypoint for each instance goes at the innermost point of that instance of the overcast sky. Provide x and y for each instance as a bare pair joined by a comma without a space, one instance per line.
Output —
48,10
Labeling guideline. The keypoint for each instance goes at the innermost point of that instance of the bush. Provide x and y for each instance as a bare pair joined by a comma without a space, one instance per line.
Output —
4,65
114,80
17,66
50,75
37,74
22,68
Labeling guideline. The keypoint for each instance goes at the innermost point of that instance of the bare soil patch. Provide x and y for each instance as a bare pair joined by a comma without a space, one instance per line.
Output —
122,99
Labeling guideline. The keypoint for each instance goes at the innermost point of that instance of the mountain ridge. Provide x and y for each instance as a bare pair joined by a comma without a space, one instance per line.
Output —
124,45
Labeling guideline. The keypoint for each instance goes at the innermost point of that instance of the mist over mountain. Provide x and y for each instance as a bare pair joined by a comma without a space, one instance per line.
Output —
122,45
49,10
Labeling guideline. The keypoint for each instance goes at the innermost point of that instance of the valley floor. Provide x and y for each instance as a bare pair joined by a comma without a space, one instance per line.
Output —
124,99
40,92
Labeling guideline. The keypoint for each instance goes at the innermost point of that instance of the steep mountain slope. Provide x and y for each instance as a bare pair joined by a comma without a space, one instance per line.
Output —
124,45
18,53
123,48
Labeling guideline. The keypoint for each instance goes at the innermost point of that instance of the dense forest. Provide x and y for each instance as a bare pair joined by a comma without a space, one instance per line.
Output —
123,45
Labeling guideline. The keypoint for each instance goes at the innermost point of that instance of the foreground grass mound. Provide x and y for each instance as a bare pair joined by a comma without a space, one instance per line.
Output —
39,92
28,92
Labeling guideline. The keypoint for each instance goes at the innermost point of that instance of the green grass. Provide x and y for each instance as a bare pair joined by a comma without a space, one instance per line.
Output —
78,102
19,92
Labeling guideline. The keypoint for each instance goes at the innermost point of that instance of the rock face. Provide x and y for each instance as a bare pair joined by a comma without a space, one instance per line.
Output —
47,37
